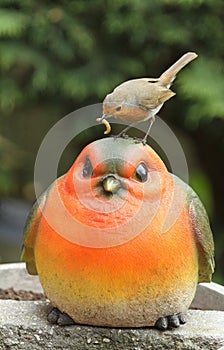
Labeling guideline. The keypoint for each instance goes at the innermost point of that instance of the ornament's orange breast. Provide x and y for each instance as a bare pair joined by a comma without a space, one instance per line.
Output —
132,284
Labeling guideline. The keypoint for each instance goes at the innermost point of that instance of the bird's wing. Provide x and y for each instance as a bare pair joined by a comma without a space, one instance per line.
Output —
30,232
145,92
153,95
203,235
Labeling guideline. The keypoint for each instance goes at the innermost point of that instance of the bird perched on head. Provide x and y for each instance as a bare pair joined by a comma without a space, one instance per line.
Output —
138,100
96,238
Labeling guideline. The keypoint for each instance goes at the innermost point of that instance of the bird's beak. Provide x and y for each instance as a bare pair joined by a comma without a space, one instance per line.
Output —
103,117
111,184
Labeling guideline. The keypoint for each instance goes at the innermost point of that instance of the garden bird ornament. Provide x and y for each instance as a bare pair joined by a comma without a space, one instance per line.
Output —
97,238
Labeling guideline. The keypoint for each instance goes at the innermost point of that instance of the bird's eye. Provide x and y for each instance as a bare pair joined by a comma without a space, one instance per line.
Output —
87,169
141,173
118,108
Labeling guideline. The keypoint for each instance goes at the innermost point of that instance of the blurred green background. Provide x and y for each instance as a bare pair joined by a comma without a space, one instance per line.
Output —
57,56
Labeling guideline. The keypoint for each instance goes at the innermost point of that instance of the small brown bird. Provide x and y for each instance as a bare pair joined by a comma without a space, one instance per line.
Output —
138,100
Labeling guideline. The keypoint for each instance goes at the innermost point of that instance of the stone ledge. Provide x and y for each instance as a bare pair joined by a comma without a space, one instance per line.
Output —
23,324
209,296
15,275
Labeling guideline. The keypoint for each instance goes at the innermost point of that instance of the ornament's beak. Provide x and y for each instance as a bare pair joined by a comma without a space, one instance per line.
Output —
111,184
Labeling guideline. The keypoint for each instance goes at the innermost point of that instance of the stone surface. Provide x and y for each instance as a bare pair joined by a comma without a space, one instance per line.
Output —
23,325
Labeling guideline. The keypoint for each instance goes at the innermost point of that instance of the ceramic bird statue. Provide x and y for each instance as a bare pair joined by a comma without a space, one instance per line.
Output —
138,100
96,239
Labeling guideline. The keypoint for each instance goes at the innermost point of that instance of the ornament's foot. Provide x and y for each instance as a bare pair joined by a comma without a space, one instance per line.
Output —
55,316
170,322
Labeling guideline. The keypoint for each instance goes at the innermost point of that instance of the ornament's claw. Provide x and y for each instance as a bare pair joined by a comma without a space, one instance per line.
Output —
170,322
161,324
55,316
173,321
182,318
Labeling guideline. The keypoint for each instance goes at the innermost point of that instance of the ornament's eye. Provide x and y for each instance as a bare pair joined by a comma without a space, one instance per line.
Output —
118,108
87,169
141,172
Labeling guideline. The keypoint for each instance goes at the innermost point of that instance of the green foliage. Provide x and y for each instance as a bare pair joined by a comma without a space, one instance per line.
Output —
207,97
79,50
13,23
200,183
11,159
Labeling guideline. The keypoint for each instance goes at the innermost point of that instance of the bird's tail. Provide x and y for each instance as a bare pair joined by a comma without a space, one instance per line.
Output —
169,75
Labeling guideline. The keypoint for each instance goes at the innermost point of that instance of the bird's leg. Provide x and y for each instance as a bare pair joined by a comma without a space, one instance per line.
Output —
170,322
122,133
144,140
55,316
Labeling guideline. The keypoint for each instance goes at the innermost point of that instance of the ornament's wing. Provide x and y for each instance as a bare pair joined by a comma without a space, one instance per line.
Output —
203,234
30,232
201,228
